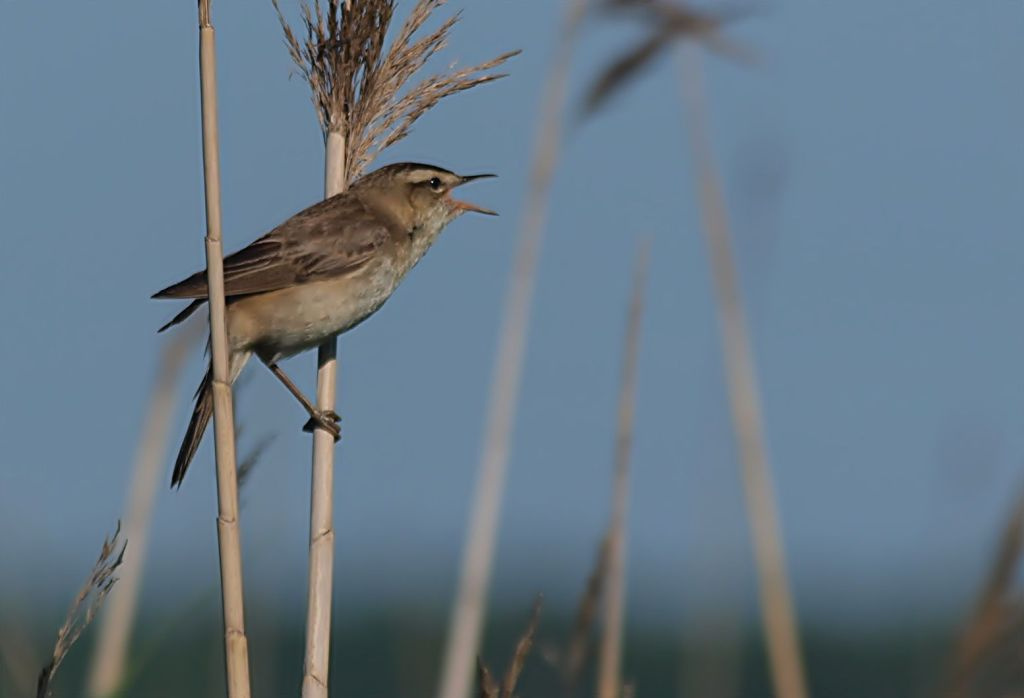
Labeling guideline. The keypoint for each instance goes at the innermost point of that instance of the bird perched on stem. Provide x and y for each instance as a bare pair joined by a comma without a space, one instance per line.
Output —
320,273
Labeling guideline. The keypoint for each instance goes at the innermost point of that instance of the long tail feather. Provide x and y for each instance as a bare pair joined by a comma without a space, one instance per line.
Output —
183,315
196,427
201,414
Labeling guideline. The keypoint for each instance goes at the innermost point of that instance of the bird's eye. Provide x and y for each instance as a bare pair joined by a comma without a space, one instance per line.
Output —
435,183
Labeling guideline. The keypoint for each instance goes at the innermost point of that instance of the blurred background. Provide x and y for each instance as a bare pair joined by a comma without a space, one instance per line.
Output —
873,163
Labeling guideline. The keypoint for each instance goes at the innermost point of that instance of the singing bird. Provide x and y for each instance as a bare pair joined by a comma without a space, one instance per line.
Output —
319,274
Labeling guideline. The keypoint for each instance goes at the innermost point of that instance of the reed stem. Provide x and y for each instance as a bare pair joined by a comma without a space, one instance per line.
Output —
110,654
609,676
467,617
777,612
321,527
236,650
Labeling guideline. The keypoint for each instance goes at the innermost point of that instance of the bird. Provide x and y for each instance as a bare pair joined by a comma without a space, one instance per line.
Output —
318,274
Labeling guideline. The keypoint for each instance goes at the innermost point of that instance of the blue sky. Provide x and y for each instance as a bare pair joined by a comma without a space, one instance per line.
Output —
874,166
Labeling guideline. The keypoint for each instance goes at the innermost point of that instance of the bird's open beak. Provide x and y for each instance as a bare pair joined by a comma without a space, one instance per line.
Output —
461,206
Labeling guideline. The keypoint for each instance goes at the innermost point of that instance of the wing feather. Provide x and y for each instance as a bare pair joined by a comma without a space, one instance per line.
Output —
329,239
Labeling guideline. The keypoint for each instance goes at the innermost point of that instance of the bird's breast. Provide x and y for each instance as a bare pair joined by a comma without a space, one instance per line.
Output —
415,244
285,322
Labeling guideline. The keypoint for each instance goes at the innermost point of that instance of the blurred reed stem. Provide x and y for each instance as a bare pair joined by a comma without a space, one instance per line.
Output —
609,667
106,673
778,614
236,650
997,612
467,617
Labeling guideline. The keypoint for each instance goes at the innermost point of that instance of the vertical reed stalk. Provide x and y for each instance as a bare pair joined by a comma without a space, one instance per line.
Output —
365,104
108,661
609,677
321,511
778,614
466,623
236,650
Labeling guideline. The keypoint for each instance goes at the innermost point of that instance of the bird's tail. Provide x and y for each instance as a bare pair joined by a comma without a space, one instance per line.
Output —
183,314
201,414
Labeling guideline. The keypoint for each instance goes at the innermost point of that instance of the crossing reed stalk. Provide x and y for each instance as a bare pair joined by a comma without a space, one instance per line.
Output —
777,611
609,676
467,616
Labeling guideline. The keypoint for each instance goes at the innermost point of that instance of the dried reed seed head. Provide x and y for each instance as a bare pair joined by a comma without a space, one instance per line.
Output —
998,614
489,687
357,87
101,580
668,22
523,647
579,646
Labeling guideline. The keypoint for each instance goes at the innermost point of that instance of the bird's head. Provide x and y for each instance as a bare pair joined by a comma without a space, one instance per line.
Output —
419,194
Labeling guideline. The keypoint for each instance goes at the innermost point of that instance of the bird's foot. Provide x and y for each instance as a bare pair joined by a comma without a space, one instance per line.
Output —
327,420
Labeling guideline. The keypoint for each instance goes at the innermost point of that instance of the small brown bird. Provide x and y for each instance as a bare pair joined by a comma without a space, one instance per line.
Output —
320,273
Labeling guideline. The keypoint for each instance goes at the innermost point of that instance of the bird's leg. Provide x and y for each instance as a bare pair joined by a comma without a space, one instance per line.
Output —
328,419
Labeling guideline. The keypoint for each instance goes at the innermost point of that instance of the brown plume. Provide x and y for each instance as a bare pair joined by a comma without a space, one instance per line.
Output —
668,22
489,687
358,87
84,607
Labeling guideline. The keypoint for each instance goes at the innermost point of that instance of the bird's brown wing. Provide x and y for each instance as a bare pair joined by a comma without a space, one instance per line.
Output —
329,239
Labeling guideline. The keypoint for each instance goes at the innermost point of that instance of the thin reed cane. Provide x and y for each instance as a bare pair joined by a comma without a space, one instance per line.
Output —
364,105
467,617
108,659
321,510
236,650
778,614
609,668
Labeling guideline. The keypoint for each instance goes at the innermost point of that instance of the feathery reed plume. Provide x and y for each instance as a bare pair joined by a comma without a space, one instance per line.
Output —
467,615
609,670
85,606
779,617
570,660
780,627
363,105
668,22
360,89
236,645
998,612
578,648
489,687
109,655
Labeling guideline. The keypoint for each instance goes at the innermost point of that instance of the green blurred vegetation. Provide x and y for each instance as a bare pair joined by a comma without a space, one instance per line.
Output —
397,654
